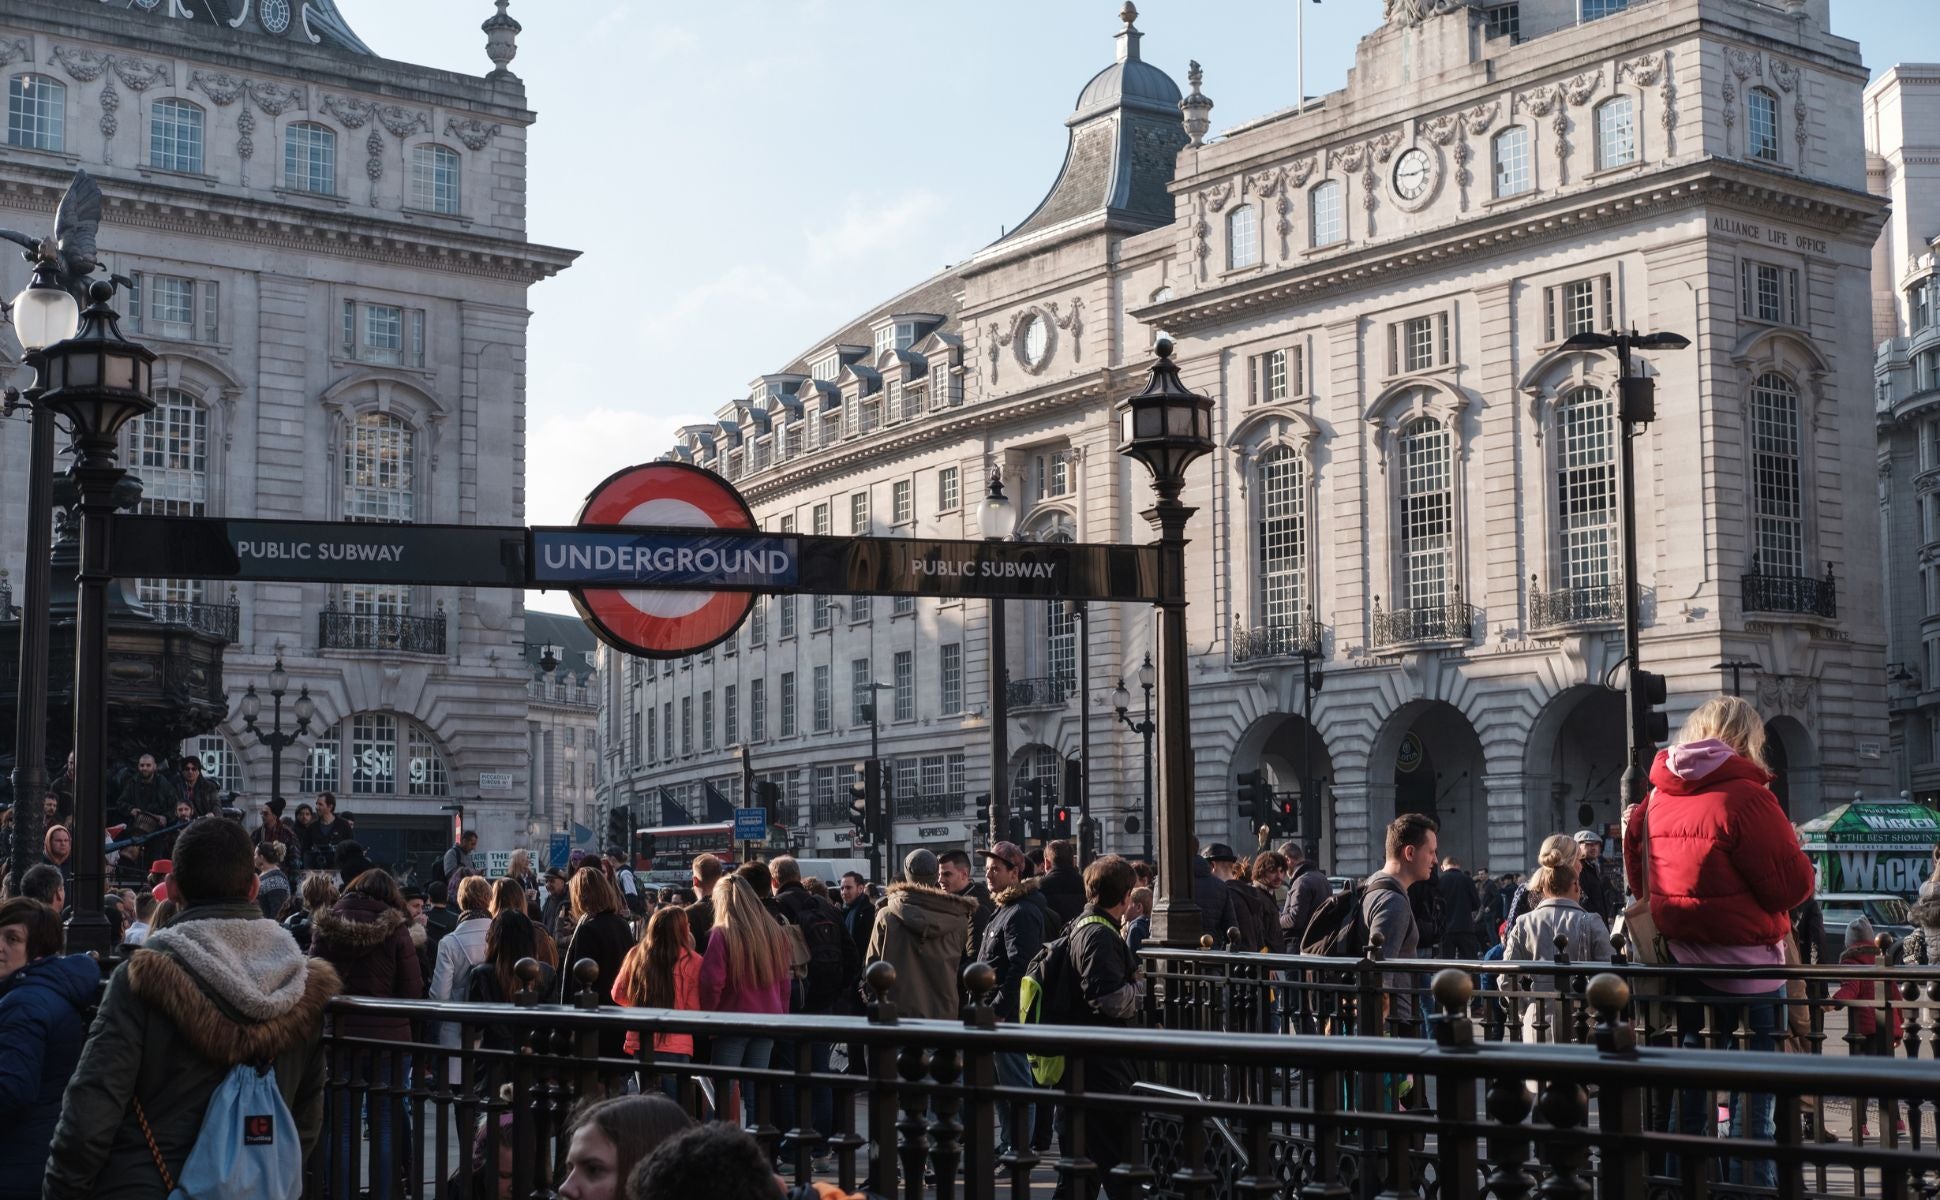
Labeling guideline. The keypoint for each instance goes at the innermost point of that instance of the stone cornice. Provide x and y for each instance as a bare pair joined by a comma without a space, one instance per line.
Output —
813,469
357,233
1822,206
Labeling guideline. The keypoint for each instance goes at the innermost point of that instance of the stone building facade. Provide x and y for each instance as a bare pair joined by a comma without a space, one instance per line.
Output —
1414,488
1903,163
328,251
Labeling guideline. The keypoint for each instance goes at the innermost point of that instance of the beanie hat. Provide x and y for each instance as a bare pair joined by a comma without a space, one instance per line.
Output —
1859,933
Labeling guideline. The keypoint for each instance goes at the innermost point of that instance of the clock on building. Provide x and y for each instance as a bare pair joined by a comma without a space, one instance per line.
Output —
1414,174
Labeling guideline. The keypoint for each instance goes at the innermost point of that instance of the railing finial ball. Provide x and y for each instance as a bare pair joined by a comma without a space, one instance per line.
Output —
880,977
527,969
1205,941
1607,992
1453,989
586,971
979,979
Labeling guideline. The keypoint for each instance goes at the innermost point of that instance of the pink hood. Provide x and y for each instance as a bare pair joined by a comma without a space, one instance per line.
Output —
1695,760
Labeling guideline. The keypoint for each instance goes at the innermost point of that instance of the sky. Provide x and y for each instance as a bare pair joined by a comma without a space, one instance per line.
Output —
746,176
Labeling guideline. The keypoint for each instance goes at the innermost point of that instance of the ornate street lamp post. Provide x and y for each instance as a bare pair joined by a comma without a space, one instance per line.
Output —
1168,428
43,314
1121,700
998,520
97,381
276,739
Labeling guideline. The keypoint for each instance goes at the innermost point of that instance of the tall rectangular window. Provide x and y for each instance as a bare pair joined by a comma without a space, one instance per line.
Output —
707,720
1427,514
1243,237
686,724
1327,224
36,113
730,715
859,514
859,610
861,692
948,490
1272,386
434,179
950,678
667,731
902,506
1769,293
1423,343
905,667
171,306
757,710
653,737
1761,125
1283,544
1511,152
824,700
758,623
1616,133
175,136
820,516
788,723
784,617
822,615
310,159
1777,494
903,606
1586,487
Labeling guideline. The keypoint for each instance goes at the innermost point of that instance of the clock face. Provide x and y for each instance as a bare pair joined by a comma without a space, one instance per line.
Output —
1412,172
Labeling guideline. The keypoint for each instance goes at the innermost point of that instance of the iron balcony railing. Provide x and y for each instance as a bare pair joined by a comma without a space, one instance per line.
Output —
381,631
1575,606
1453,622
1294,640
935,806
222,620
1767,593
1049,691
1179,1101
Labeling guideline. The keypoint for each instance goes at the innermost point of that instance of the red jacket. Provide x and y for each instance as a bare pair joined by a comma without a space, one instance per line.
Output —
1725,864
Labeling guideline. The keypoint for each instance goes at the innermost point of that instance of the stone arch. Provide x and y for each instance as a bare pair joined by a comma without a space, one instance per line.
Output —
1428,758
1573,762
1272,744
1794,759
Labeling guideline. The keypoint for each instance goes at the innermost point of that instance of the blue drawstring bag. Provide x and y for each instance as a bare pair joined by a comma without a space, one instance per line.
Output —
247,1149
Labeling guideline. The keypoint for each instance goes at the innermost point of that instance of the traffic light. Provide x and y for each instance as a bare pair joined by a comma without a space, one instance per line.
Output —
767,794
643,849
1061,822
1018,832
1256,799
1647,695
859,810
1286,811
619,823
1030,805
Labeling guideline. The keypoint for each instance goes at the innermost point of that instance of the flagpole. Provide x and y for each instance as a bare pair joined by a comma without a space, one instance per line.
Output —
1300,51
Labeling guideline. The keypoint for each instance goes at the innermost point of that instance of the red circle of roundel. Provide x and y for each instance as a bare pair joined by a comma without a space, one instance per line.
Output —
655,623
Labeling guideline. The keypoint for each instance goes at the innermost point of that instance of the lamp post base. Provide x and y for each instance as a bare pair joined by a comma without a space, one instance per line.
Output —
1176,922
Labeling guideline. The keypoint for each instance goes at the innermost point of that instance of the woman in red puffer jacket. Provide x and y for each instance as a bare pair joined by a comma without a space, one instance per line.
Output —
1724,873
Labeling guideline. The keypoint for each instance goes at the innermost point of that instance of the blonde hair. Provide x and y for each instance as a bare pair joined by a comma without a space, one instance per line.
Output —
318,890
1553,879
474,893
757,951
520,864
1733,721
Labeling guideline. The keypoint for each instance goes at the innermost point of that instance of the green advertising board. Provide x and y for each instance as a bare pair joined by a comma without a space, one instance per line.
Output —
1873,846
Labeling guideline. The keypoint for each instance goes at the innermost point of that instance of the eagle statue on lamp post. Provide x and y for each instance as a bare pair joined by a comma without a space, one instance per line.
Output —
70,251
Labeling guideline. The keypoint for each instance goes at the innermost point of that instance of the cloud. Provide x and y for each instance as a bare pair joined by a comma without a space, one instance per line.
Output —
865,230
567,453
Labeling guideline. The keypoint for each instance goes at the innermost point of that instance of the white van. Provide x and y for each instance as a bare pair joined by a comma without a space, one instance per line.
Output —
831,870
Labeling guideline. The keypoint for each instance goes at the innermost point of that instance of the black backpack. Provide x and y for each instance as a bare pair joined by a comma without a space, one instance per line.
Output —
1338,928
832,956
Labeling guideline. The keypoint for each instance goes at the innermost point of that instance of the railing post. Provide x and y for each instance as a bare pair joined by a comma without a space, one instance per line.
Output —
946,1132
883,1090
912,1063
1509,1142
979,1077
1457,1165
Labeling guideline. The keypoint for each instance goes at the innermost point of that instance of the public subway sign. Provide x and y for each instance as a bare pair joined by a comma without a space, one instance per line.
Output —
319,551
581,557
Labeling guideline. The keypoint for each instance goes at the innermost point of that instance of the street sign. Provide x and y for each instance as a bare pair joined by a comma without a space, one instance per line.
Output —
495,781
749,560
653,622
750,824
558,850
325,551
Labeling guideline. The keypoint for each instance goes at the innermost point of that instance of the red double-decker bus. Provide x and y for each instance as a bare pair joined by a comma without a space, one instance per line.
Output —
665,853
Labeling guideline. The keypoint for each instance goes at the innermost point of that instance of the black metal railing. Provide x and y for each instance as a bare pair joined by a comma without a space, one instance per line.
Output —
934,806
1213,1112
1049,691
1295,640
1575,606
222,620
1454,622
380,631
1766,593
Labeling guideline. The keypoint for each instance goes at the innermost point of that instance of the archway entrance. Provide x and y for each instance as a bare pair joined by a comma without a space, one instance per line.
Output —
1579,744
1274,746
1432,754
1795,767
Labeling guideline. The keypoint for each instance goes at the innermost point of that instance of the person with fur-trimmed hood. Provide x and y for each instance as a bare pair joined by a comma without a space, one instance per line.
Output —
924,932
219,987
366,935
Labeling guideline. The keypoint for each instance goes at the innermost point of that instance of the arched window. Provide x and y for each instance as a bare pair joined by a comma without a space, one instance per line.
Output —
1761,124
1242,237
1326,223
1044,767
1510,152
1778,509
36,113
219,761
377,754
434,179
1586,487
1616,133
1427,514
175,136
310,159
168,449
1282,477
380,469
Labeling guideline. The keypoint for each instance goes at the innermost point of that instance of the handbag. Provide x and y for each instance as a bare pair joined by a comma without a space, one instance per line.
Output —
1642,942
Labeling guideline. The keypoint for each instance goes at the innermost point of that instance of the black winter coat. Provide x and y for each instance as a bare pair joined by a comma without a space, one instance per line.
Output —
371,947
1215,901
1064,890
1012,938
605,938
1106,968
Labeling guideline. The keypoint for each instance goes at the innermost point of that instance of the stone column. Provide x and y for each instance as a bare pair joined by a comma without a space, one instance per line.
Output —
1514,800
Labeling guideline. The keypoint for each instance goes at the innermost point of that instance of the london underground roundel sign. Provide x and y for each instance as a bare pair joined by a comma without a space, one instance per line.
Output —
654,622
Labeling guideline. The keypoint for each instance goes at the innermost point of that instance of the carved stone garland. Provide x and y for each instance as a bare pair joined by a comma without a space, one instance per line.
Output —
471,131
1744,65
138,75
1791,80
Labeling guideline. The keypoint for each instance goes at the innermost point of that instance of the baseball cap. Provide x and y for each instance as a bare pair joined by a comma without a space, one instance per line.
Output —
1006,853
1589,835
556,873
161,866
1220,852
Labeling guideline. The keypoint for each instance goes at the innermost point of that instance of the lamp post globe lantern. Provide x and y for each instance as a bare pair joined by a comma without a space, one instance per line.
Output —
252,707
1147,674
44,313
1121,698
98,380
306,708
1168,427
997,517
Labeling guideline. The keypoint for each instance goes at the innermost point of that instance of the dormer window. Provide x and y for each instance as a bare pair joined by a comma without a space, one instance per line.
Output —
826,368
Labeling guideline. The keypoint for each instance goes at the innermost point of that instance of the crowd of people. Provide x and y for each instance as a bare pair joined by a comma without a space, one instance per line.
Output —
243,934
